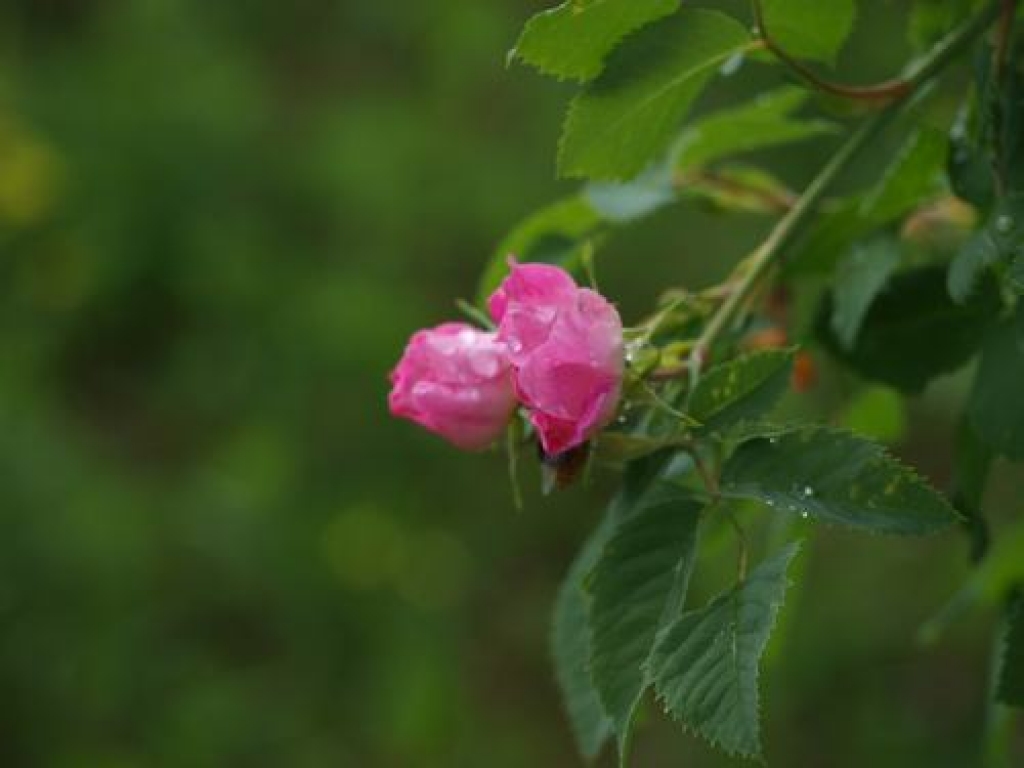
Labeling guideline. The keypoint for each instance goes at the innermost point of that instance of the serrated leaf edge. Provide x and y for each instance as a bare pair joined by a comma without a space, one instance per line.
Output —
563,76
577,173
912,472
789,553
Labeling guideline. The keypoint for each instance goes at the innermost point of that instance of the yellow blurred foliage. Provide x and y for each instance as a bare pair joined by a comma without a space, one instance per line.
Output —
31,178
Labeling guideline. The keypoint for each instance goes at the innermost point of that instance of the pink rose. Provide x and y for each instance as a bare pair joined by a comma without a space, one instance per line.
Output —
454,380
565,346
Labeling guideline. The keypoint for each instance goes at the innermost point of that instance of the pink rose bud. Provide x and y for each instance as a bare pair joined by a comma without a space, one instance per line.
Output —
455,381
565,345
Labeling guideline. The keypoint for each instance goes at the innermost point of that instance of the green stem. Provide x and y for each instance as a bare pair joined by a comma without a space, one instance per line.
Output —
513,436
709,479
951,46
753,269
755,266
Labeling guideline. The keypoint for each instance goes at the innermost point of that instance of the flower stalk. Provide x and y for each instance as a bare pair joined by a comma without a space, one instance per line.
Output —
750,273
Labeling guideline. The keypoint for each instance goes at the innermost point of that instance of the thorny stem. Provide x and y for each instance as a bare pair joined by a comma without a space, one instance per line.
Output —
878,94
755,266
748,275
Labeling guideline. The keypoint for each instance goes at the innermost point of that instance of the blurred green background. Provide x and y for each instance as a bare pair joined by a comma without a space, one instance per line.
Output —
219,222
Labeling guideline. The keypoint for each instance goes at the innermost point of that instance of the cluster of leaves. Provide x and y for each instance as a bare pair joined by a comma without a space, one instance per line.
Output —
620,624
923,271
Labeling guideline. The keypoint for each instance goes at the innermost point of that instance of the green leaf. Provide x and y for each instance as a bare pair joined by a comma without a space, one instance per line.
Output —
976,255
621,121
764,122
861,275
914,176
571,633
837,477
971,165
996,405
554,234
913,331
734,188
740,390
970,173
1011,678
1001,240
639,583
760,428
810,29
705,664
572,40
571,646
623,202
828,239
989,137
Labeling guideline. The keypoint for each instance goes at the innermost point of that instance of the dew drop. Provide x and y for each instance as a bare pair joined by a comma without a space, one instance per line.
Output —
808,492
804,514
1004,224
773,440
632,351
